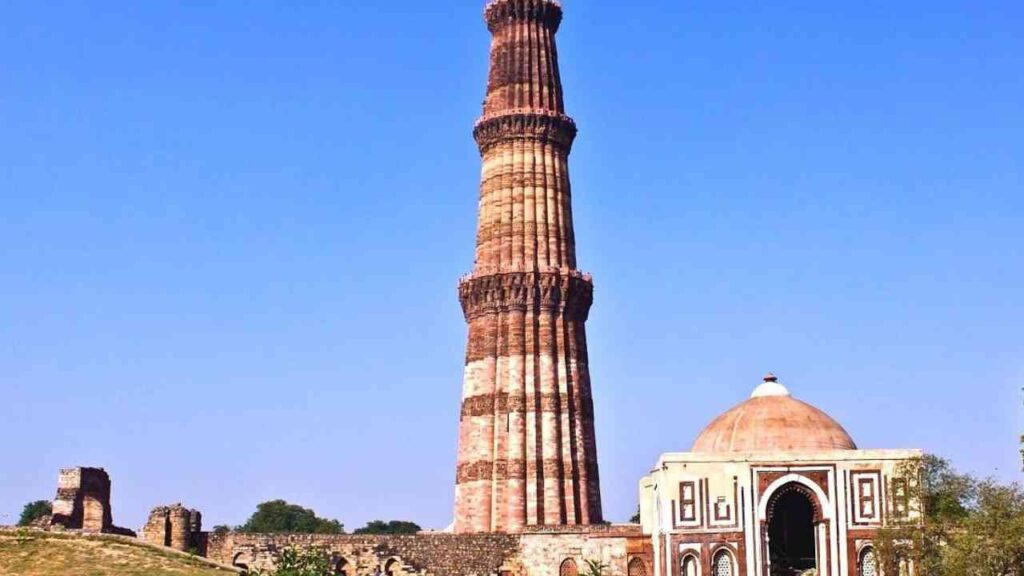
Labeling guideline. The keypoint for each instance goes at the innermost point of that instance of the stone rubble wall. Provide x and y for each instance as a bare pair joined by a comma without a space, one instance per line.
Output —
423,554
543,550
540,552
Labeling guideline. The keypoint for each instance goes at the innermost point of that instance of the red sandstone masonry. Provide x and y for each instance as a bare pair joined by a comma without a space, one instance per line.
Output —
527,454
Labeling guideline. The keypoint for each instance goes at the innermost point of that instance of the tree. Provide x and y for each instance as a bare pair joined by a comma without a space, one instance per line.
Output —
280,517
34,511
303,563
954,525
294,562
990,541
392,527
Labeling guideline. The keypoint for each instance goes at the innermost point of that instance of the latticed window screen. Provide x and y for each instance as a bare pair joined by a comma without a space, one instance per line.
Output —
568,568
690,566
637,567
868,564
723,564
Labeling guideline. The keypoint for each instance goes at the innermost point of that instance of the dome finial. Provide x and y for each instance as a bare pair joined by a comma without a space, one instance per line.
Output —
770,387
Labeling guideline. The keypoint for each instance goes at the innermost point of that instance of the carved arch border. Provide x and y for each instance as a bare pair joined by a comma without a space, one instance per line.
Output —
819,500
690,555
730,554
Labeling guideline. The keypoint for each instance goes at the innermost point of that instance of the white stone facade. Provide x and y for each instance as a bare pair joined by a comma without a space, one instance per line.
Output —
710,513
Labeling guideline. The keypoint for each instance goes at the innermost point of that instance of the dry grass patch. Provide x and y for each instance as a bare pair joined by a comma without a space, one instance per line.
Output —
42,554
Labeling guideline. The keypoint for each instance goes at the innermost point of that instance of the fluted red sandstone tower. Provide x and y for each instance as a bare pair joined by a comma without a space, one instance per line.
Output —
527,452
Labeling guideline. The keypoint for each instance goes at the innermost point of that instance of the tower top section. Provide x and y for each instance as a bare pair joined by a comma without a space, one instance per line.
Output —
524,85
500,12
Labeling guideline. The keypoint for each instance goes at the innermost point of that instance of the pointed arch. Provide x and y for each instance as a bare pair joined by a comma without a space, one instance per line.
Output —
723,563
867,562
820,499
689,565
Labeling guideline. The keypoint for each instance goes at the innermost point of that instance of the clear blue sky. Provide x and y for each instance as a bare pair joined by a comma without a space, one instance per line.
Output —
230,234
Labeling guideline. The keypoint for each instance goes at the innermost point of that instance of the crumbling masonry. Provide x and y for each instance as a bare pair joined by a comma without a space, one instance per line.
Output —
83,502
176,527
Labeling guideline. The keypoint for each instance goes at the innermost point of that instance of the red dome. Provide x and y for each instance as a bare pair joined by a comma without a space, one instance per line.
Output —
773,421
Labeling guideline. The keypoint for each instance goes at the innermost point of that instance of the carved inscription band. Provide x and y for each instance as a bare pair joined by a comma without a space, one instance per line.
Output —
525,124
521,291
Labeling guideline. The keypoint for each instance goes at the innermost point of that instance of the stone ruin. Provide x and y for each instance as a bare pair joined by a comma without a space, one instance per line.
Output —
175,527
83,503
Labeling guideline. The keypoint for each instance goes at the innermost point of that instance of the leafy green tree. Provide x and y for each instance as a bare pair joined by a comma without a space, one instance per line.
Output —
280,517
303,563
392,527
636,517
34,511
990,541
295,562
937,500
955,525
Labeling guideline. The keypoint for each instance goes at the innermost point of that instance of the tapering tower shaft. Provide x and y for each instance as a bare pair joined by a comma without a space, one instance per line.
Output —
527,449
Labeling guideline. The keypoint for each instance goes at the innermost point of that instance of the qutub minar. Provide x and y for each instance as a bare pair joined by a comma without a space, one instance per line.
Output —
772,487
527,450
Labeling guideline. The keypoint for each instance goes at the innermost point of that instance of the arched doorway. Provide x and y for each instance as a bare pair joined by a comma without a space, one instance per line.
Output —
793,520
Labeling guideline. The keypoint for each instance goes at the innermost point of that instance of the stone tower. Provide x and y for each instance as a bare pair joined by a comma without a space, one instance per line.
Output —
527,451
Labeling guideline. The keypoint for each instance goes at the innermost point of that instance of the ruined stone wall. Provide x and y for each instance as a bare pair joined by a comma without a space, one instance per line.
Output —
83,502
541,552
545,551
424,554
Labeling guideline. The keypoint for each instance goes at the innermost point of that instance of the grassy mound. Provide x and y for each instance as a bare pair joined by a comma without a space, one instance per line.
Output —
43,554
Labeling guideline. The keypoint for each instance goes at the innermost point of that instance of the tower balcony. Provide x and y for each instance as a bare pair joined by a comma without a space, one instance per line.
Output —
525,123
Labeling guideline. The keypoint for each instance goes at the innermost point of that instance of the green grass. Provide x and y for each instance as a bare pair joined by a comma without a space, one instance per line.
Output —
43,554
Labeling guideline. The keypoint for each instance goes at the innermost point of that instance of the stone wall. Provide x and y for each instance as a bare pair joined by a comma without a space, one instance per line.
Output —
544,551
423,554
540,552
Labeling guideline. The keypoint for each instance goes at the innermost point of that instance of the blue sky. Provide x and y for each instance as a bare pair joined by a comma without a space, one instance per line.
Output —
230,235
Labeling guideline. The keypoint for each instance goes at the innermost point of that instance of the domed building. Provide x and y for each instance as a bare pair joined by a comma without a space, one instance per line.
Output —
772,487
